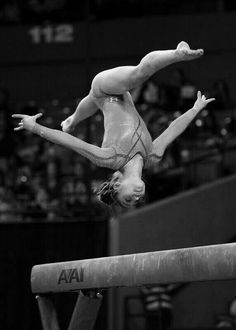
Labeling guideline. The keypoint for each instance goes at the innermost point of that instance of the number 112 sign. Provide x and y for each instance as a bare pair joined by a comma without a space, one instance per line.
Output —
62,33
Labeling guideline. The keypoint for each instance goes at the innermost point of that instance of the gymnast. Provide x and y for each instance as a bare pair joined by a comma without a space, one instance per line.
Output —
127,146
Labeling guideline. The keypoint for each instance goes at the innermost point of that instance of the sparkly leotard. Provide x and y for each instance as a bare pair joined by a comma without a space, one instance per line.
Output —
125,131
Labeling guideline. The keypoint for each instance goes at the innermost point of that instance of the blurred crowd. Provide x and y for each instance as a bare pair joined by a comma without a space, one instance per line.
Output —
51,183
38,11
39,179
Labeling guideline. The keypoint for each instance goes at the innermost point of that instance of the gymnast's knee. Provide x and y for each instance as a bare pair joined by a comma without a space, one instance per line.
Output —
96,87
139,75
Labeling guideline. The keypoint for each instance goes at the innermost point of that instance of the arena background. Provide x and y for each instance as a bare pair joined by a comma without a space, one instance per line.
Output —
50,50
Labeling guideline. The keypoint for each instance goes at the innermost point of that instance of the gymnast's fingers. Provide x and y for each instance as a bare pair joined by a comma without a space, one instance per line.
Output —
18,115
18,128
210,100
38,115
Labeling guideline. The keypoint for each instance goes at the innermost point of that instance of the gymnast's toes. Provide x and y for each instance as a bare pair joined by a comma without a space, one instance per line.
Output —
186,53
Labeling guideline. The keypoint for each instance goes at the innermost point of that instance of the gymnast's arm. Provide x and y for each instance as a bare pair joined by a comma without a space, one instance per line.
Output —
178,126
99,156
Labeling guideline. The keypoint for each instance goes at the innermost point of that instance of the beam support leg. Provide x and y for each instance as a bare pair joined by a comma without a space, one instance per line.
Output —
85,312
48,313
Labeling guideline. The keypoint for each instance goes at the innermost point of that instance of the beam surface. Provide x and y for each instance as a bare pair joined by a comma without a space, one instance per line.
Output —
205,263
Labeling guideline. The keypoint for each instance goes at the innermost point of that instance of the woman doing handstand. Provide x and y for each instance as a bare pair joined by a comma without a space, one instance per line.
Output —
127,145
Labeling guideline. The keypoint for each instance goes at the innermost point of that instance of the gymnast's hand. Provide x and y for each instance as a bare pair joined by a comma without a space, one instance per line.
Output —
27,122
68,124
201,101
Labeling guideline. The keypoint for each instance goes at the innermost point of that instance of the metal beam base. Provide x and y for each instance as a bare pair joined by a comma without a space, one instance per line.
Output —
84,315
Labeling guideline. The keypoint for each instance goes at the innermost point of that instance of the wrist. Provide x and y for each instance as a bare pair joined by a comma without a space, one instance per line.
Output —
37,129
32,128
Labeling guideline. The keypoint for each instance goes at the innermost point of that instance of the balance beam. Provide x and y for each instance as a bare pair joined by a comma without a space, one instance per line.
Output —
204,263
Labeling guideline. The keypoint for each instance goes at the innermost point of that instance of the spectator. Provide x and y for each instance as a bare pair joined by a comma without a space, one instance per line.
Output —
222,95
10,11
157,303
40,10
6,139
188,91
151,101
228,320
176,81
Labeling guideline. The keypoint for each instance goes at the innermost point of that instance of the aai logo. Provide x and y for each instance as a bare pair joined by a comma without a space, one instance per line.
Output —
71,275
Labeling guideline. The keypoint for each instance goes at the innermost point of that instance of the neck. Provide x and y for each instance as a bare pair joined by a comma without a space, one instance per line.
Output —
134,167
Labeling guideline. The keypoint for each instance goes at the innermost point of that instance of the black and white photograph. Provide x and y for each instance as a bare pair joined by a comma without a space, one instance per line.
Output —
117,164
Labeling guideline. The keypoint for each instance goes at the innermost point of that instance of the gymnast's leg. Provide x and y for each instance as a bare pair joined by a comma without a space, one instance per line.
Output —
122,79
84,109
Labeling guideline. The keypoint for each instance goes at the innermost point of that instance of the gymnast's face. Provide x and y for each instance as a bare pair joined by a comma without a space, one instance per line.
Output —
129,190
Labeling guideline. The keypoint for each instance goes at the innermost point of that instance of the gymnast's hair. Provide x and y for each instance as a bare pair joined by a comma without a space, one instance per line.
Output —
107,193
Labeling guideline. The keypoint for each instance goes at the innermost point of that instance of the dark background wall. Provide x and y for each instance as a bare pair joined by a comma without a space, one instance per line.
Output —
24,245
48,68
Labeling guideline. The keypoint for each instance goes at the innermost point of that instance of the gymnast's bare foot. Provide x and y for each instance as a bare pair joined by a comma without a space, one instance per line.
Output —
68,125
186,53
